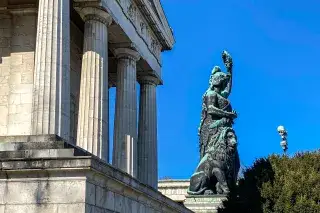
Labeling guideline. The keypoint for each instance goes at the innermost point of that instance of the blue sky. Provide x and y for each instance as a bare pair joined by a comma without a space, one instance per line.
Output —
276,50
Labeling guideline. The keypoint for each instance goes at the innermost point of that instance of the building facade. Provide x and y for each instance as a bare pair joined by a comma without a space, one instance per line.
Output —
58,60
175,189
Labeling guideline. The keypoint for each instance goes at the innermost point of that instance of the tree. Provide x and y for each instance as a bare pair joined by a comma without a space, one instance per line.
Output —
278,184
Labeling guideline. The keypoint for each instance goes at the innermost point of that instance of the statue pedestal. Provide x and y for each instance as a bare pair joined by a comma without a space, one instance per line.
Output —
204,203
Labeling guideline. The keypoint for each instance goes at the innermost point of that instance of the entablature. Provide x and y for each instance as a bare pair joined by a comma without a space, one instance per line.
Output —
136,22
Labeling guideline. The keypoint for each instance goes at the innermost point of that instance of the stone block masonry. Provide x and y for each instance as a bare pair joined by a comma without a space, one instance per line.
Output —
5,36
74,182
23,41
17,45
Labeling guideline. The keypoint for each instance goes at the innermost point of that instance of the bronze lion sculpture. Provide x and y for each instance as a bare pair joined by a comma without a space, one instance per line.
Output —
218,168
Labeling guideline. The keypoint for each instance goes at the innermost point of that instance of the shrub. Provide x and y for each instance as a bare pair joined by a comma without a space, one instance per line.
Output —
278,184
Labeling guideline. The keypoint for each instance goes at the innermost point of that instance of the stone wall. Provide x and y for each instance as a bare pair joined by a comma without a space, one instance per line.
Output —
17,45
23,41
42,193
17,55
5,35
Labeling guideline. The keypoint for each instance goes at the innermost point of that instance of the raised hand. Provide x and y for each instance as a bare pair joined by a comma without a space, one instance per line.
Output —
227,60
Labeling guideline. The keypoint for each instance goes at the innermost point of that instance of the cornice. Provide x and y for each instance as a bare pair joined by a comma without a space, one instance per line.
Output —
165,37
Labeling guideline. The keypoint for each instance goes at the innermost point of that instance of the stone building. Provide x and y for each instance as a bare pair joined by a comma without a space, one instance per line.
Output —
58,59
177,190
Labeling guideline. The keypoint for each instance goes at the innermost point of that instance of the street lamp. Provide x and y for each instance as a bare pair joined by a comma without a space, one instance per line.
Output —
283,134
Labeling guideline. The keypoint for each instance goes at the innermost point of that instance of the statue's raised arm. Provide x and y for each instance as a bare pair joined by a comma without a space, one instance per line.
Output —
214,101
227,60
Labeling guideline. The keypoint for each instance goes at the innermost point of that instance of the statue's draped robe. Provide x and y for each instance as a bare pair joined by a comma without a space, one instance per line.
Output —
211,123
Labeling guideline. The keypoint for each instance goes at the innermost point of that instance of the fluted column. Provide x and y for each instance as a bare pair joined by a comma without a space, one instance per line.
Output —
147,132
93,118
125,124
51,96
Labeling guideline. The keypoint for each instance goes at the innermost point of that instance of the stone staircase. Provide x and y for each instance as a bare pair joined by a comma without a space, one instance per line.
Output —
14,147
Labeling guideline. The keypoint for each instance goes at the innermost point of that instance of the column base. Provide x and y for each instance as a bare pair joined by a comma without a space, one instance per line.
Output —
204,203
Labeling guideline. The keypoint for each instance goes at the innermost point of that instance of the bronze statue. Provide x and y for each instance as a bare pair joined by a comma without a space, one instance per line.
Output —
219,164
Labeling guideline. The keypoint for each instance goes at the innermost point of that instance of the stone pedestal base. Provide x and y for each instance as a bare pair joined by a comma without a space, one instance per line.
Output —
204,203
44,174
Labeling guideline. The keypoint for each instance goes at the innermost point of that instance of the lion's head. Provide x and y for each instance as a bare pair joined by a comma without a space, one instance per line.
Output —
226,144
231,140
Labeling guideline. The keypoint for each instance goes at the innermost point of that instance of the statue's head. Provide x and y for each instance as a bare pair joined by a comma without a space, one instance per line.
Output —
218,78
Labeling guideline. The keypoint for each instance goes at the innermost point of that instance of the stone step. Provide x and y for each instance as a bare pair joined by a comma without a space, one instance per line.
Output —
19,146
38,142
37,153
29,138
22,146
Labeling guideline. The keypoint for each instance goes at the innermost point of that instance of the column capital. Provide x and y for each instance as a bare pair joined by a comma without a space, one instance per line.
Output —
94,13
148,79
127,53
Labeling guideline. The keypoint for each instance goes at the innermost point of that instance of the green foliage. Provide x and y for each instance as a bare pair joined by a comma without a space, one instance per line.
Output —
278,184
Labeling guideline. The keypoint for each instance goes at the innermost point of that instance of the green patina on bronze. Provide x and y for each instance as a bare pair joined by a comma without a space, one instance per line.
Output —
219,165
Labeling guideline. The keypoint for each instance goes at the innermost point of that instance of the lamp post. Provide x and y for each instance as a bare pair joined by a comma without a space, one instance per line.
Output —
283,134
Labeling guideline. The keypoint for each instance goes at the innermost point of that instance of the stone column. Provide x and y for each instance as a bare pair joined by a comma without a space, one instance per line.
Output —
51,95
93,118
125,123
147,132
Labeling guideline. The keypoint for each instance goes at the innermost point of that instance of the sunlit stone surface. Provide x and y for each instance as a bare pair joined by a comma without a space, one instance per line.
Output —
58,60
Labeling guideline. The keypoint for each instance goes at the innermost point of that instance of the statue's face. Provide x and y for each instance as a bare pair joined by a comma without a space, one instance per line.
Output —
219,79
231,140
